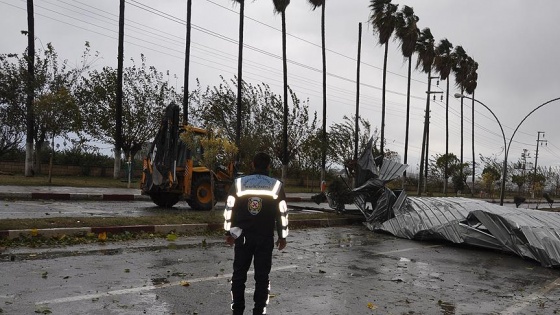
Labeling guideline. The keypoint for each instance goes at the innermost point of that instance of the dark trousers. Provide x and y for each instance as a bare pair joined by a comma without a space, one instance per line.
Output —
247,247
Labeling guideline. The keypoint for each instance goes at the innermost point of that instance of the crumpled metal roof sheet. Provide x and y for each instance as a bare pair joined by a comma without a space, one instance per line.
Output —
529,233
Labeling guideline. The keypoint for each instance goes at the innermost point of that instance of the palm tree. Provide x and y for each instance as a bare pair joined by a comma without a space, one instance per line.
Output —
470,87
460,70
443,63
316,4
239,73
407,32
383,18
426,54
280,7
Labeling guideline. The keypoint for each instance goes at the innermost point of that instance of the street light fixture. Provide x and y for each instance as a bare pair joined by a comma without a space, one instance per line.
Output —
516,128
503,183
504,172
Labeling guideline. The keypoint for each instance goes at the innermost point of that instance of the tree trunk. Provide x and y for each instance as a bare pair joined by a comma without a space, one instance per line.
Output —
357,118
446,169
407,117
461,168
51,158
324,146
239,76
37,157
117,164
472,142
285,129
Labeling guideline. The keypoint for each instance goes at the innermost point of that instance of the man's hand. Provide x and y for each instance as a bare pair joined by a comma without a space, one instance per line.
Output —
230,240
281,243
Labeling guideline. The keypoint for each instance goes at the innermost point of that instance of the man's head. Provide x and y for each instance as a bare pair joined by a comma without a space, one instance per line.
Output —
261,161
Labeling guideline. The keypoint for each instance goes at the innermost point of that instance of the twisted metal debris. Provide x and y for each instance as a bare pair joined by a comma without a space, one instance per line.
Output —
528,233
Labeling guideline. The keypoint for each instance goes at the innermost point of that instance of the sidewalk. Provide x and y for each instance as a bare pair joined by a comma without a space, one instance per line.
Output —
132,194
296,200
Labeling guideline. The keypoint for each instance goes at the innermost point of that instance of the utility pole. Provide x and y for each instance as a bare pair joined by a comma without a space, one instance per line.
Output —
539,141
423,175
30,90
524,156
187,65
119,100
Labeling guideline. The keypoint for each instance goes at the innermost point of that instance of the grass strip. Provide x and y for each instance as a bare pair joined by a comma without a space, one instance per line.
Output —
183,218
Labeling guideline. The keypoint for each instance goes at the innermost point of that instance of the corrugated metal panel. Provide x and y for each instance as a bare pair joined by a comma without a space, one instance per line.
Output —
528,233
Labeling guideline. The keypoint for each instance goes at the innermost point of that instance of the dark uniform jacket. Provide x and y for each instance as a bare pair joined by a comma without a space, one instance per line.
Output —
256,205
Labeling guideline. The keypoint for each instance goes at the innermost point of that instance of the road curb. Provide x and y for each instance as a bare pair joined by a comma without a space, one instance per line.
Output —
160,229
94,197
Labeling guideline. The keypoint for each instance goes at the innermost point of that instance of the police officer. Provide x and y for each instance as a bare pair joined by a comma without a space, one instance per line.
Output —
255,207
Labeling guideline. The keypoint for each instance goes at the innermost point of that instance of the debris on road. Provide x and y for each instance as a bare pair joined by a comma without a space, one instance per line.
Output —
527,233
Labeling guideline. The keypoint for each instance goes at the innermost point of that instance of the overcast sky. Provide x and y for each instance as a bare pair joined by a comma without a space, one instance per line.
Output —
515,43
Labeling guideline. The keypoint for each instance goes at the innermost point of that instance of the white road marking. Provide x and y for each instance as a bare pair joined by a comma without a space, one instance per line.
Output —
406,249
145,288
524,302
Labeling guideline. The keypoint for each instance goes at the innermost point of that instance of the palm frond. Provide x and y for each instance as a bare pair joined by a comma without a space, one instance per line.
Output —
383,18
280,5
443,61
425,49
407,30
316,3
460,66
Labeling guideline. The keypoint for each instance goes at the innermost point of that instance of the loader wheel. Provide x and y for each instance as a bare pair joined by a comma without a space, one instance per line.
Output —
201,197
165,199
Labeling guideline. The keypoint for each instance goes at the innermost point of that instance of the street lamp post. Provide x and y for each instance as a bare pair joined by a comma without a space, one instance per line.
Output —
515,131
503,183
506,148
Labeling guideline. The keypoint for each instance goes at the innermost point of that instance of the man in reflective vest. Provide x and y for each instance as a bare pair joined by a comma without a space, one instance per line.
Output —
255,207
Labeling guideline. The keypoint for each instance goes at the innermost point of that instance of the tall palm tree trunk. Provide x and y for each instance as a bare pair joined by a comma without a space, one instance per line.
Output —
118,109
324,145
285,75
446,168
30,119
407,116
473,154
461,172
187,64
382,142
239,76
357,118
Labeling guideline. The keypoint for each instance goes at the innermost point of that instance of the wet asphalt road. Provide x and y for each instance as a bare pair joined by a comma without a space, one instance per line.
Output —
344,270
26,209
